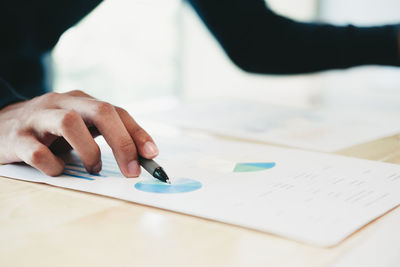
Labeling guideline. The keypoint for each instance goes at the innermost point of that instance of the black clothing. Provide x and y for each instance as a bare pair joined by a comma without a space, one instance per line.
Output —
258,40
253,36
28,31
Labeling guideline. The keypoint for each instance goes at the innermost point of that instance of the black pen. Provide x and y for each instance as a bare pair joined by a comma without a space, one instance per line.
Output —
154,169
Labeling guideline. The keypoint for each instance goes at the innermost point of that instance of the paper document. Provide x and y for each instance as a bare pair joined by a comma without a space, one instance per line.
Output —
307,196
325,130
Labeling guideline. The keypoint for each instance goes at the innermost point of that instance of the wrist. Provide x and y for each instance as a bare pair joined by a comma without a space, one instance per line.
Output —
12,105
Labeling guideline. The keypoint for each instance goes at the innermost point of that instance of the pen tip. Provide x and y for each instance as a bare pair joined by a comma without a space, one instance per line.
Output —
160,174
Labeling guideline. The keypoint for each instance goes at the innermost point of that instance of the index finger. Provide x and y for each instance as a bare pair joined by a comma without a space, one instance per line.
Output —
144,143
106,119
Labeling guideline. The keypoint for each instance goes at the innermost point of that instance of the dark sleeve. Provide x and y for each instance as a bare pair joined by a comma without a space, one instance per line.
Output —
258,40
8,95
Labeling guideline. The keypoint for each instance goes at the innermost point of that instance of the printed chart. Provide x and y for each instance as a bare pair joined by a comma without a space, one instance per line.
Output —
74,168
311,197
253,166
181,185
148,184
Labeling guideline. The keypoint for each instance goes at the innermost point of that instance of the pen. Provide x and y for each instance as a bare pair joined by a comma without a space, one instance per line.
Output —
154,169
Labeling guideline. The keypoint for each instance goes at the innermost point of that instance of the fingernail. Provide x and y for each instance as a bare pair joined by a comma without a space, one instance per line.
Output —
150,149
133,168
97,167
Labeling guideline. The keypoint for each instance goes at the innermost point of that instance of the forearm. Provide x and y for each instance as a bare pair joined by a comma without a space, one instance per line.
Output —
315,47
260,41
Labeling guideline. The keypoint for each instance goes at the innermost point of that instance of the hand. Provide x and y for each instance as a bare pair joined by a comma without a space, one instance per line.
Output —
32,132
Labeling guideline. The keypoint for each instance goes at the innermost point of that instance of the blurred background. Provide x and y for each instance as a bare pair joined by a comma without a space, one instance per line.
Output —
132,50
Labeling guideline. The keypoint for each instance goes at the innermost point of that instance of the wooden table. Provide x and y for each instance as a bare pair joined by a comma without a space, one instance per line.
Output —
42,225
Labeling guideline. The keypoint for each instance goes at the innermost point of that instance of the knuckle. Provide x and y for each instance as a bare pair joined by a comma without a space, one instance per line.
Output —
16,128
51,97
76,92
122,112
104,109
140,134
126,146
69,119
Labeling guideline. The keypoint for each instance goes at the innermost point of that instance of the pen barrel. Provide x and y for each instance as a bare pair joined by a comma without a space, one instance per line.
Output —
148,164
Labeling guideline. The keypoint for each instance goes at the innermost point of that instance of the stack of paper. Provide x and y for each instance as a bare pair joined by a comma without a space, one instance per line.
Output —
328,129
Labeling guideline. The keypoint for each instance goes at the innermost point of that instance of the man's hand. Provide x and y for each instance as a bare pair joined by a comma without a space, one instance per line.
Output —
30,130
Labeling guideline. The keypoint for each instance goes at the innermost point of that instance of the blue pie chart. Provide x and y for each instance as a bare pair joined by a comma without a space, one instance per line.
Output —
181,185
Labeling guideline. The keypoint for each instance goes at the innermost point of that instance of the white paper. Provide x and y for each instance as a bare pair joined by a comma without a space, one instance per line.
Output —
324,130
310,197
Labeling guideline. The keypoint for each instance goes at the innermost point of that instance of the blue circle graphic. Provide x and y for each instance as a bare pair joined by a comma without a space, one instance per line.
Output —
181,185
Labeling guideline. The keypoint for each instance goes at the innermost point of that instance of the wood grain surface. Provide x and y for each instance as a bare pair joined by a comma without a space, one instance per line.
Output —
42,225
